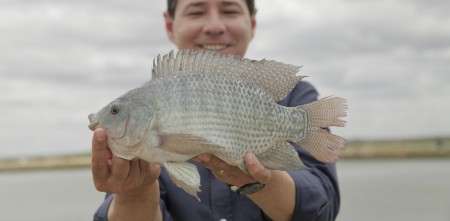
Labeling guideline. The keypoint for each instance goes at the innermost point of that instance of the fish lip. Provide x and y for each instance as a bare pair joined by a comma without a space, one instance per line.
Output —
93,122
93,126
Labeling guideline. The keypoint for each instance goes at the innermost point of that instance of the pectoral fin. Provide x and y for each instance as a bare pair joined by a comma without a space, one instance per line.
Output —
185,144
185,176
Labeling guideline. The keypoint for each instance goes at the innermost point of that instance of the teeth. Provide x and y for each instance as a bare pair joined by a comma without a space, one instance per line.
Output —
214,47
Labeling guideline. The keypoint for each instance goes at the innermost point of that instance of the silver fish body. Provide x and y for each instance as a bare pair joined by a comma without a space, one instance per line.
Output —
204,102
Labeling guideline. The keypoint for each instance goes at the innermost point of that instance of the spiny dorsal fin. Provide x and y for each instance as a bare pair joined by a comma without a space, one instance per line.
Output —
275,77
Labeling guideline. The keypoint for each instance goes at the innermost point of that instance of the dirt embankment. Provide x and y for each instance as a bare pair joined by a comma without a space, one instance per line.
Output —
430,147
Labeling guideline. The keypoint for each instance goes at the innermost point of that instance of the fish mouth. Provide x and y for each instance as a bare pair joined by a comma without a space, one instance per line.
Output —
93,121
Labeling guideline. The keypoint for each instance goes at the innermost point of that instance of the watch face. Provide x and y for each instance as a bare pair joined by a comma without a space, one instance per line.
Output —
250,188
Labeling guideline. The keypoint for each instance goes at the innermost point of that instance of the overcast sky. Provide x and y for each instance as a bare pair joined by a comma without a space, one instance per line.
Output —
63,59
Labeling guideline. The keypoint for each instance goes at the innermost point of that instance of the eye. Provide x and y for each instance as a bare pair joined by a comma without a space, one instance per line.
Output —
230,12
115,109
196,14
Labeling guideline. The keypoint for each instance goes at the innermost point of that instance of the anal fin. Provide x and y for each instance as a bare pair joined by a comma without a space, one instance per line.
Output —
281,157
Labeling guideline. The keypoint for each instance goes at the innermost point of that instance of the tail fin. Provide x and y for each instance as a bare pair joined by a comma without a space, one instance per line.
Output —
322,114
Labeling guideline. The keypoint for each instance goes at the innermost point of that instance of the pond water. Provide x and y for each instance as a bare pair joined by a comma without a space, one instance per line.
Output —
413,190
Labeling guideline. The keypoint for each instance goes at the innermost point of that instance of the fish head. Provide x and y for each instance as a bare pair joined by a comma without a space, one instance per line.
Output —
126,123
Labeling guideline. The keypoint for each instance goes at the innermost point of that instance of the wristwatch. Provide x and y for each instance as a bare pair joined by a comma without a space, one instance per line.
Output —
248,188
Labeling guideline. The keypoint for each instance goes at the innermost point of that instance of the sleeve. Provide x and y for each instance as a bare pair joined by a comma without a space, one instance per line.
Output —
163,195
317,191
102,212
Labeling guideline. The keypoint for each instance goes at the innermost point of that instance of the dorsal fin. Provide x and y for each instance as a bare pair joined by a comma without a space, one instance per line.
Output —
275,77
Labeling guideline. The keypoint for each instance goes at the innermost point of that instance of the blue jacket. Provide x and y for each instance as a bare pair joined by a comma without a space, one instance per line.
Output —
317,191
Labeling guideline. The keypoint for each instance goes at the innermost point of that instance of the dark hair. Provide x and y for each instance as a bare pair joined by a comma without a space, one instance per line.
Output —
172,4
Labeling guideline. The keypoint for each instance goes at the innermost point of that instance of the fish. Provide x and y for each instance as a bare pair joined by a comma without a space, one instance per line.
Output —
205,102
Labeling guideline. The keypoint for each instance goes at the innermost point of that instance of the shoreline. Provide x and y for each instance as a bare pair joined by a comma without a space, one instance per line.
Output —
46,162
376,149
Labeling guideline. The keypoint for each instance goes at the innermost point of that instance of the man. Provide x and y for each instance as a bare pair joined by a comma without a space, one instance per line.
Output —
143,191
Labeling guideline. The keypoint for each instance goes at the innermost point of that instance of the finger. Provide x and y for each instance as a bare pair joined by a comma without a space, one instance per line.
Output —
153,173
233,176
228,173
135,176
256,169
206,157
197,159
120,170
149,169
145,168
206,160
211,161
109,154
155,169
219,166
99,162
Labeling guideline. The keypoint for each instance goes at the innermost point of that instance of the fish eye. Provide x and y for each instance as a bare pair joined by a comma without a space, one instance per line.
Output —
115,109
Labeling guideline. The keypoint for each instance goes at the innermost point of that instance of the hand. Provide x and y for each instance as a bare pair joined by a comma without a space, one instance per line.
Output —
234,175
117,175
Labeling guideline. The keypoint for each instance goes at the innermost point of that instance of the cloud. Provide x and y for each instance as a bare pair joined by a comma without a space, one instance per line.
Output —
61,60
387,58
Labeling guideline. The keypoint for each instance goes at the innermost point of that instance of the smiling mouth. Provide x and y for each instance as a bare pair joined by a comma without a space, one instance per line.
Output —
214,47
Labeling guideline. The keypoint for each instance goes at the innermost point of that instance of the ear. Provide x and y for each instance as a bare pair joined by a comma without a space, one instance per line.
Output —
253,22
169,25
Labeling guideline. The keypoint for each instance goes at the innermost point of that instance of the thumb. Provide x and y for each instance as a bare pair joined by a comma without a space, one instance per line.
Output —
256,169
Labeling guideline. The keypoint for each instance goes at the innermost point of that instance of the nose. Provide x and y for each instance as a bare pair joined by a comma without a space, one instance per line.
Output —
215,25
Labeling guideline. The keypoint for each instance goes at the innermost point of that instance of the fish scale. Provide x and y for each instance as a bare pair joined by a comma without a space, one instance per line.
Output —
231,109
204,102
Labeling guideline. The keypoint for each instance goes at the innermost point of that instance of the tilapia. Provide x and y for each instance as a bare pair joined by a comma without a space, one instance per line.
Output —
204,102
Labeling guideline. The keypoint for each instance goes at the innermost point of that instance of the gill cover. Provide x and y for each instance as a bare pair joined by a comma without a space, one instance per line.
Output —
137,126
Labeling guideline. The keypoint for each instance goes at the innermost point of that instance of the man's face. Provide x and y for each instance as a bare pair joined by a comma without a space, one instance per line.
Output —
222,25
